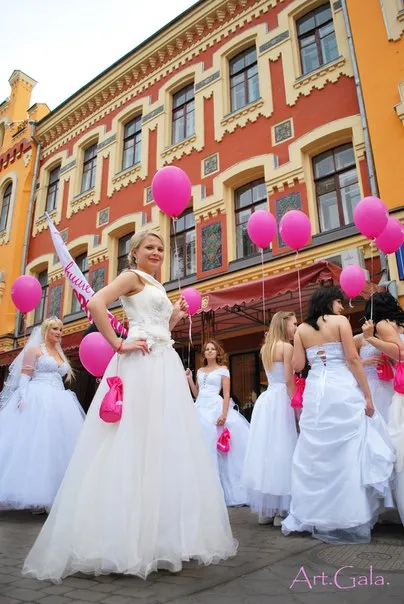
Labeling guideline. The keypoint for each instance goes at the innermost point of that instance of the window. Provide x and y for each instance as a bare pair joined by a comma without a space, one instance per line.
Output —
5,206
41,308
132,141
185,230
89,168
82,263
337,188
317,41
244,85
123,251
183,114
53,188
248,199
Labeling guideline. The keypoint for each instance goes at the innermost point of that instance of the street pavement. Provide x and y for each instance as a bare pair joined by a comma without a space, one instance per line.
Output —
268,569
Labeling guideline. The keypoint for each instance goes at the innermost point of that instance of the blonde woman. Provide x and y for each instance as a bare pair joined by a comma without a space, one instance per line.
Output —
39,422
217,413
273,434
141,494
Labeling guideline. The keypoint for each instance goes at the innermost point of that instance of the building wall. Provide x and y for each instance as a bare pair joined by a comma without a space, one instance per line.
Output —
379,48
17,158
275,137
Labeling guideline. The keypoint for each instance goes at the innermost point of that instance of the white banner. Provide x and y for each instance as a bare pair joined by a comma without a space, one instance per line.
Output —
81,288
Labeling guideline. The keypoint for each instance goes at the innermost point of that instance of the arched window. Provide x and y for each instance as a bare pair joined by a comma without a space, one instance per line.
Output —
5,206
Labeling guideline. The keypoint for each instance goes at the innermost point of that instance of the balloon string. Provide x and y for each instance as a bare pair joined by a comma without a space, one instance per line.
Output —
24,322
298,286
263,286
371,279
189,340
176,256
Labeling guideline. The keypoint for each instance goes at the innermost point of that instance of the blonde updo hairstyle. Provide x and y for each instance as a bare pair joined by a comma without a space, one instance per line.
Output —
221,356
136,241
45,327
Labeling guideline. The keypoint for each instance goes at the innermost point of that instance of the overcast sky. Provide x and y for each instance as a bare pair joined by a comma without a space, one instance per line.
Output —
64,44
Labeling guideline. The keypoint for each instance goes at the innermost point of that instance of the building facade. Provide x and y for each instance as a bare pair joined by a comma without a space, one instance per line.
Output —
256,101
379,50
17,160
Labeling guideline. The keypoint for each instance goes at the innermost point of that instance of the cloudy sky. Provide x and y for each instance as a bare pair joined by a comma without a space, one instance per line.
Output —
64,44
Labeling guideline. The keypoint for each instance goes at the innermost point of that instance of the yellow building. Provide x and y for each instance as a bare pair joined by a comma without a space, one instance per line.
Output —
17,162
379,50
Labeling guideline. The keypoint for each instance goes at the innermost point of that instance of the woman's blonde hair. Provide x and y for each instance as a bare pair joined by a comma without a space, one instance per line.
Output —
136,241
45,327
278,332
221,356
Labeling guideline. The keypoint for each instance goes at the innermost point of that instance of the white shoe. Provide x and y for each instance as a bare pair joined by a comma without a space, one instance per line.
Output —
278,520
265,520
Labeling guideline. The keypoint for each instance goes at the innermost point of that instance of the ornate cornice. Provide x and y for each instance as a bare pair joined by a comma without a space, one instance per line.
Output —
132,75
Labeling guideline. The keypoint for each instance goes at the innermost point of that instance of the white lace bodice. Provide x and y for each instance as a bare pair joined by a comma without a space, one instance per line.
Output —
49,370
149,313
276,375
211,383
367,351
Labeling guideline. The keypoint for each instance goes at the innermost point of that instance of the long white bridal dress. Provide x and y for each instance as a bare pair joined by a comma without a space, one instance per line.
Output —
143,493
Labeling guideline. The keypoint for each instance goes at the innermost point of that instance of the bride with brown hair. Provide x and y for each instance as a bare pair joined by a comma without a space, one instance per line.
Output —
216,414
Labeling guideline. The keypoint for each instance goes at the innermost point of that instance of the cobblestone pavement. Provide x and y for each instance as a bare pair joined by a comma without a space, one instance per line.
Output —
269,569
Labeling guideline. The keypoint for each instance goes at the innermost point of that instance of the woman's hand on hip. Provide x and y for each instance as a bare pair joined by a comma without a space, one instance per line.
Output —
135,345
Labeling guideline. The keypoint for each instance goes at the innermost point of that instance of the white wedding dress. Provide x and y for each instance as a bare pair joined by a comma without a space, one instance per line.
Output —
209,406
343,461
37,437
273,436
382,392
143,493
396,431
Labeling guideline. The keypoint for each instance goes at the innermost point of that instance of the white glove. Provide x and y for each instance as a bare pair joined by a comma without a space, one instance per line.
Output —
22,388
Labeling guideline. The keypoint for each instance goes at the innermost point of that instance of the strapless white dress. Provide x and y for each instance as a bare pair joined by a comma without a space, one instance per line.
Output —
141,494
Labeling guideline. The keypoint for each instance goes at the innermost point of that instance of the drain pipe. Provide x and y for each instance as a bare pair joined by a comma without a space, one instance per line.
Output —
384,279
32,124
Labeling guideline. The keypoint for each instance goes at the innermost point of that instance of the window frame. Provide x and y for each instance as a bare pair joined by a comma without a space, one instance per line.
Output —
40,310
336,177
124,256
5,206
181,236
314,31
136,137
89,166
253,206
243,71
182,108
52,190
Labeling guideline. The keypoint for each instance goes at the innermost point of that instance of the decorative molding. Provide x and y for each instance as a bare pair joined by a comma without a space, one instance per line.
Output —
284,180
337,5
106,142
148,195
98,278
64,235
55,300
274,41
240,118
103,217
184,147
210,165
207,81
284,204
152,114
212,246
84,200
282,131
67,167
123,178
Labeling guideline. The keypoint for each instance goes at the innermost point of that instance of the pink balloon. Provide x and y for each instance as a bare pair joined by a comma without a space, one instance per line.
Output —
261,228
193,298
171,189
370,217
95,353
26,293
352,280
295,229
392,238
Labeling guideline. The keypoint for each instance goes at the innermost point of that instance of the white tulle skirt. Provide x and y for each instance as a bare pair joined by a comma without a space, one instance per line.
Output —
141,494
396,431
37,441
229,465
343,462
382,395
267,467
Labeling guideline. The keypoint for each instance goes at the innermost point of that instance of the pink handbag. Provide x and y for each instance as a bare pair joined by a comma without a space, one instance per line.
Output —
297,399
399,374
111,405
223,442
384,369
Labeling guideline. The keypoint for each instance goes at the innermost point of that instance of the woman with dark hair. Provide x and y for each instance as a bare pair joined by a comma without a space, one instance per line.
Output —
384,330
343,459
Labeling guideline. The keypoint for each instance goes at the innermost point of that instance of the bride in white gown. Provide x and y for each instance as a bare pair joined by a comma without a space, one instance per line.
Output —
40,422
140,494
343,460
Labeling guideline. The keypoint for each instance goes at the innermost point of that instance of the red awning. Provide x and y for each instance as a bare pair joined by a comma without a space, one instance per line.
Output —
276,285
69,342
